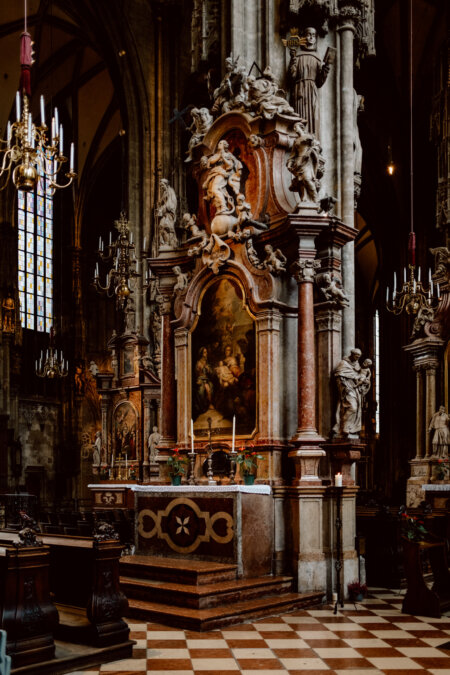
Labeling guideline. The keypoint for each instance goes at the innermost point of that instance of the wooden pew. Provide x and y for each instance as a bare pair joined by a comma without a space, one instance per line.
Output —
27,613
420,599
84,583
5,660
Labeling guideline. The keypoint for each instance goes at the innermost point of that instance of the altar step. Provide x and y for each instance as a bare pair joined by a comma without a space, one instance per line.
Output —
202,596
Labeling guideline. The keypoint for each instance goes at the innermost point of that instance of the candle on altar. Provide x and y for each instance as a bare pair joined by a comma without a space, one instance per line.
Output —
192,435
338,480
234,433
126,465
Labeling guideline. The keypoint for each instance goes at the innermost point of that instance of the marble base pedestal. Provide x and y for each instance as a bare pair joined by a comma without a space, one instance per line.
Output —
343,453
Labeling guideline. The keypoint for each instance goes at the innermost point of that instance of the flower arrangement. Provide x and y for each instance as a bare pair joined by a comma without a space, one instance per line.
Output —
104,472
133,471
412,528
356,590
176,463
247,460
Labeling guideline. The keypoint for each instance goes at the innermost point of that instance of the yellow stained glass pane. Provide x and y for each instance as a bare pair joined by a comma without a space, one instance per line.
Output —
40,245
49,288
30,321
30,201
21,199
30,242
40,266
48,323
21,219
49,248
48,268
21,240
40,324
21,281
40,285
40,306
30,283
30,262
30,222
48,307
21,260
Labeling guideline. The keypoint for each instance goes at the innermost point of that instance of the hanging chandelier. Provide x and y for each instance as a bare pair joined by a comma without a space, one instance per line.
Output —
121,278
54,364
28,152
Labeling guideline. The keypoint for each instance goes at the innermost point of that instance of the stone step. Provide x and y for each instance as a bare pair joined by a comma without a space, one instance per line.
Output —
192,572
205,595
224,615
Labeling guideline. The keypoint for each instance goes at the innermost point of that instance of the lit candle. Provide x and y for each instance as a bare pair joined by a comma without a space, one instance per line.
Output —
234,433
30,127
53,130
8,133
18,106
110,238
145,244
61,140
99,243
192,435
131,237
56,119
42,111
96,270
404,275
418,273
72,156
438,291
387,294
395,282
338,480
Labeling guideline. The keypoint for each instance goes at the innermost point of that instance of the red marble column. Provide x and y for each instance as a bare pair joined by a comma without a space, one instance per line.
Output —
306,355
168,384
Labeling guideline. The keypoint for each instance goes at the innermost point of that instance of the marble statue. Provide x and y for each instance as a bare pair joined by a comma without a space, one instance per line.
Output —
275,261
189,222
182,279
153,442
97,449
265,98
442,259
306,164
201,122
231,94
8,322
439,423
222,186
353,382
307,74
166,210
331,287
253,255
93,367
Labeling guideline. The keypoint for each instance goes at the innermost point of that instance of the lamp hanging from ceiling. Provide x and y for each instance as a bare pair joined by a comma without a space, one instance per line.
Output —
28,150
54,364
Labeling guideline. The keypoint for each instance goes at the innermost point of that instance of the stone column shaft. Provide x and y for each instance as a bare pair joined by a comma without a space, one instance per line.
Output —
184,386
268,333
430,405
419,414
168,384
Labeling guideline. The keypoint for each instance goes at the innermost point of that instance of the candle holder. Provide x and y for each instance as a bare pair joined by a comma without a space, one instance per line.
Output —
191,480
233,454
338,565
210,473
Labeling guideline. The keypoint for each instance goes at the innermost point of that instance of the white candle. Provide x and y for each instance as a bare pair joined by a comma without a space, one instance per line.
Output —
338,480
126,464
96,270
99,243
53,131
30,127
42,111
110,238
192,435
438,291
145,244
56,119
61,140
395,282
387,294
418,274
72,155
234,433
8,133
404,275
18,106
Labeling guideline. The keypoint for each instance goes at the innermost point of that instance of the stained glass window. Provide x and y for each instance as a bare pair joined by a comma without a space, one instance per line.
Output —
35,240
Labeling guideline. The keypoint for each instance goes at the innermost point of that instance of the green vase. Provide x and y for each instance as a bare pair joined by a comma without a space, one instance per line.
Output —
176,480
249,479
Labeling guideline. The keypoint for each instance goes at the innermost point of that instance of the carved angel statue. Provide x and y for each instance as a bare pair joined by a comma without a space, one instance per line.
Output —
275,261
182,279
232,91
189,222
331,287
201,122
439,424
265,98
166,210
306,164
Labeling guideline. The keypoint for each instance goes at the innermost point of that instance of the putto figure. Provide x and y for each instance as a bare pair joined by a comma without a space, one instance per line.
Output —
306,164
166,210
308,73
275,261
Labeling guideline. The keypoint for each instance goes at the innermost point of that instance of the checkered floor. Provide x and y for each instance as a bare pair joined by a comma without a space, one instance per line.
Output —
373,637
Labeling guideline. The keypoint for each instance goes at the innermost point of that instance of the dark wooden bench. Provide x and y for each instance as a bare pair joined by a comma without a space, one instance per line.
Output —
420,599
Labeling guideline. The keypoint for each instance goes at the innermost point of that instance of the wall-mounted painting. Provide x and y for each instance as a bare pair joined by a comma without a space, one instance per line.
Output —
125,430
224,362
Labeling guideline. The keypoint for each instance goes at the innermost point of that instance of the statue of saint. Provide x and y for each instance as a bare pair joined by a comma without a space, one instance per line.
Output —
153,442
265,98
439,423
308,73
166,210
222,187
306,164
97,449
201,122
353,383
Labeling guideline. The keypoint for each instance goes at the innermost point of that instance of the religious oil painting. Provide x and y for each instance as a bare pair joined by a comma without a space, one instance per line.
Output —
224,362
125,426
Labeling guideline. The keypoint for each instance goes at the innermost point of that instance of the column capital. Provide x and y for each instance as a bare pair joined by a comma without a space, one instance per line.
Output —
305,270
349,14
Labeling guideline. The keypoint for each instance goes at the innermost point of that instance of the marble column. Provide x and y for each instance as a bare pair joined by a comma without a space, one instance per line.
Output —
147,431
306,545
349,15
168,384
183,363
419,414
306,439
268,341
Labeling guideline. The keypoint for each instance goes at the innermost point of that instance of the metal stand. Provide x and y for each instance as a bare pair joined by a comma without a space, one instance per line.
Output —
191,480
233,454
338,565
210,473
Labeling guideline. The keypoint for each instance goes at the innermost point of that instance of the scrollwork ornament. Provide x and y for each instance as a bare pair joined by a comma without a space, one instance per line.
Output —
305,270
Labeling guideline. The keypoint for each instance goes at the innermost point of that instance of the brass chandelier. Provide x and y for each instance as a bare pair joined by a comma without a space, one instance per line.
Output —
54,364
28,151
121,278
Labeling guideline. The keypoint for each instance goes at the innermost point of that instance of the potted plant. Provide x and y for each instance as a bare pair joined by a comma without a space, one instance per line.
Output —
356,591
247,459
412,528
133,472
176,465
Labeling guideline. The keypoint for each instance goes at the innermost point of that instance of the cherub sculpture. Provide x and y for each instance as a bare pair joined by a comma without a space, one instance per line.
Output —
275,261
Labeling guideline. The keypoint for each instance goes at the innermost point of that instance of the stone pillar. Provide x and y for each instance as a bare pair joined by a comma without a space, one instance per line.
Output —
328,322
430,403
349,15
306,439
349,557
183,369
279,562
168,384
268,341
419,414
306,530
147,432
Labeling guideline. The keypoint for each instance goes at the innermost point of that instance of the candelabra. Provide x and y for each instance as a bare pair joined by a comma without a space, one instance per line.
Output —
53,365
26,147
121,279
413,296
